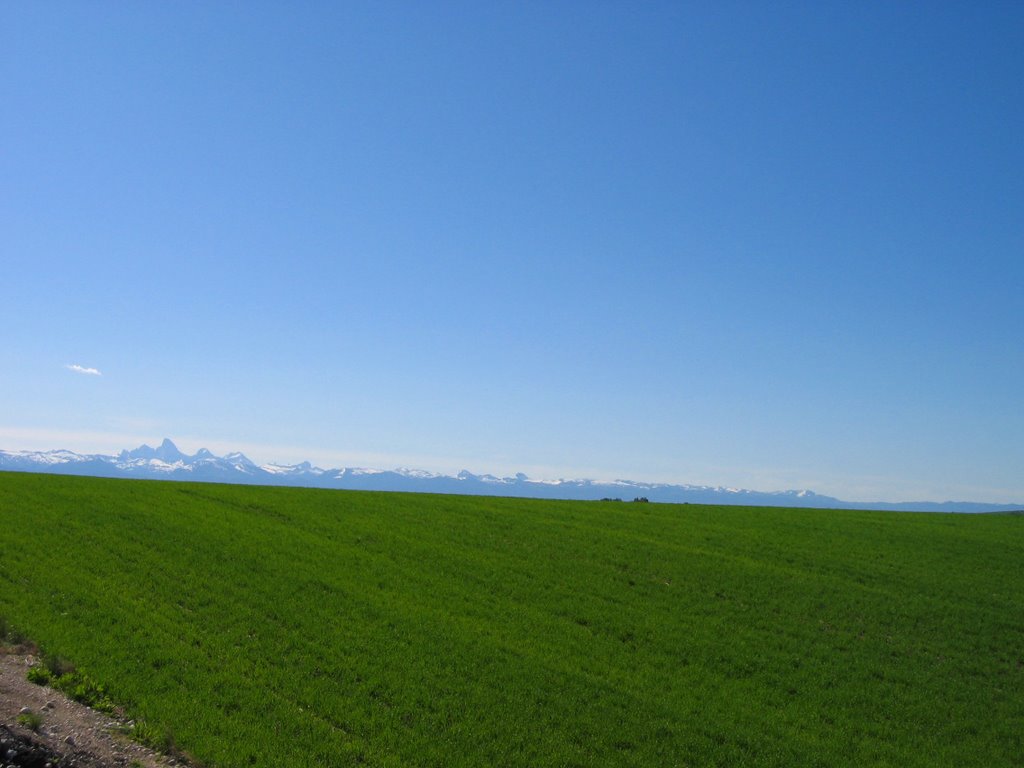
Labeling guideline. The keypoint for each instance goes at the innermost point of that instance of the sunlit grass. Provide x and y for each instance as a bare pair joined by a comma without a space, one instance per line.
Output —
263,626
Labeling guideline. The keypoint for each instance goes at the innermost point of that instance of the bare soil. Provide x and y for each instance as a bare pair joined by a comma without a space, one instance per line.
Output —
70,735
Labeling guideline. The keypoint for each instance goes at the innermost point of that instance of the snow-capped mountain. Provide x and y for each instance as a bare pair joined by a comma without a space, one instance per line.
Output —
166,462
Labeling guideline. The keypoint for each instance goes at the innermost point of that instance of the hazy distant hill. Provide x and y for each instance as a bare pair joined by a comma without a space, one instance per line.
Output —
166,462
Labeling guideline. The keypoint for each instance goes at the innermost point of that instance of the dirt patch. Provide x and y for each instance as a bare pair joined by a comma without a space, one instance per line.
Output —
69,734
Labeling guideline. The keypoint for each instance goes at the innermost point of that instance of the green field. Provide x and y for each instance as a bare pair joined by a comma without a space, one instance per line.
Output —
275,627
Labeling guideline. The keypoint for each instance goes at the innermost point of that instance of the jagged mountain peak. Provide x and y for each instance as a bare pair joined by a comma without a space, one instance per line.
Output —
237,457
168,452
143,452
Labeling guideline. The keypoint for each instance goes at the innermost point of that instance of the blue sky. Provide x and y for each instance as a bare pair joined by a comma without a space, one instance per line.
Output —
764,245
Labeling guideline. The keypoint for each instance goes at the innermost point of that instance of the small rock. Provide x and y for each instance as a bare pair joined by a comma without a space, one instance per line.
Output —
50,705
69,740
25,711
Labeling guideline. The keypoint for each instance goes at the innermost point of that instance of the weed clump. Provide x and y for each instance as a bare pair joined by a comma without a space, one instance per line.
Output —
159,739
39,675
31,720
60,675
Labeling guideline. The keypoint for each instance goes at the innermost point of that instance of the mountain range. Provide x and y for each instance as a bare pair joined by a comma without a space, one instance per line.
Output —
166,462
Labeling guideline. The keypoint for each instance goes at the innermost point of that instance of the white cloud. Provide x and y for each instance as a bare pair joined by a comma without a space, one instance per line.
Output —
83,369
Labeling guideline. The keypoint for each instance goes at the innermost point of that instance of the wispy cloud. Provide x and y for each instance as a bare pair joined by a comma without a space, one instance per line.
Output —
83,369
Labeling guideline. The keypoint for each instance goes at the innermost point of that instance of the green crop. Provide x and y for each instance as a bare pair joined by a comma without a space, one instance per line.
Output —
276,627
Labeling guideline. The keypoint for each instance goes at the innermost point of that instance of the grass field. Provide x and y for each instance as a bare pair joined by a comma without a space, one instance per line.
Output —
275,627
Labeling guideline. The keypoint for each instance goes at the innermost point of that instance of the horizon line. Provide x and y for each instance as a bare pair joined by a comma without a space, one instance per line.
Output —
387,462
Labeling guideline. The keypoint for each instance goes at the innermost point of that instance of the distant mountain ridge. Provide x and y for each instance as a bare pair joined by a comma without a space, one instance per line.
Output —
167,462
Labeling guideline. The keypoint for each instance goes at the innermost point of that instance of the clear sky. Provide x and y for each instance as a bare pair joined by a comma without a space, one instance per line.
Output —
763,245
